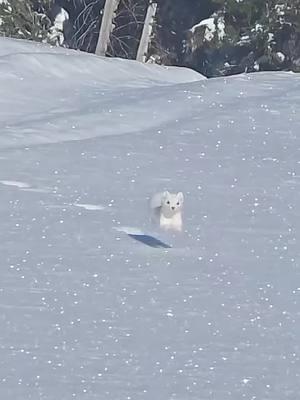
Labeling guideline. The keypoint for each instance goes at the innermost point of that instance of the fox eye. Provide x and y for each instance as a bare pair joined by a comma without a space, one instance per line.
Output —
168,202
178,203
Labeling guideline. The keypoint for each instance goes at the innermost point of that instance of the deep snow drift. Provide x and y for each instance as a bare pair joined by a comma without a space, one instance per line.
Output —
87,311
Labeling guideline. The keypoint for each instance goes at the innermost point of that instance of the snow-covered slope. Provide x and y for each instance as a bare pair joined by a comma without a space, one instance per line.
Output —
90,312
74,95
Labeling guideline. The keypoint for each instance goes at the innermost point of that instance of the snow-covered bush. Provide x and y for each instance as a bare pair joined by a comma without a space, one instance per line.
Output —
31,19
247,35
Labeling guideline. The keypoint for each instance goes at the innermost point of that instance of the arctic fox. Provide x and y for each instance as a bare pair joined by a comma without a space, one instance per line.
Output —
168,208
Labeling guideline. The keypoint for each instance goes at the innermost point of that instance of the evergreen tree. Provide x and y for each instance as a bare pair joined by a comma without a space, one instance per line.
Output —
257,36
26,19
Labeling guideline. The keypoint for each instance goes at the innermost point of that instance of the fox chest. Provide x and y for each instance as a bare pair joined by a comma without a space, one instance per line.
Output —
173,223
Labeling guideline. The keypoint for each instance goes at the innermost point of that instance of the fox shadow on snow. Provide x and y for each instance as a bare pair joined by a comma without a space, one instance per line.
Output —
150,241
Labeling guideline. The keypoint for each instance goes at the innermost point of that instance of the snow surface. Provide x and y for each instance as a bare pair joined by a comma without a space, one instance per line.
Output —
77,96
89,311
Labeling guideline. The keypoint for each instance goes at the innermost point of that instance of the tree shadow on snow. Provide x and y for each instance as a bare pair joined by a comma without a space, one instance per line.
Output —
150,241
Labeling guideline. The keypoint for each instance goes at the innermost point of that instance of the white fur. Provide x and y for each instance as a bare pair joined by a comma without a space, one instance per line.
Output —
168,208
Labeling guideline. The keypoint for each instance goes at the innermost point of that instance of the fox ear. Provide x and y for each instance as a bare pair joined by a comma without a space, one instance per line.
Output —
165,194
180,197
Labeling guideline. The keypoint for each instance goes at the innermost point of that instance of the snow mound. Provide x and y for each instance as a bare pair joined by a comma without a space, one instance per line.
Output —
22,59
48,88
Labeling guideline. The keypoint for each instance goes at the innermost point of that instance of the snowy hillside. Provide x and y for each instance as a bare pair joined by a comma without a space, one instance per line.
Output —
90,312
75,96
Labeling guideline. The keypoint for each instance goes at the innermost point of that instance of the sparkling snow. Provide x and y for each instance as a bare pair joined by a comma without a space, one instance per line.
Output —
87,312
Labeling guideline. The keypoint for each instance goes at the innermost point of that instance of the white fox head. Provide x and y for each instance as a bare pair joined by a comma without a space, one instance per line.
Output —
171,203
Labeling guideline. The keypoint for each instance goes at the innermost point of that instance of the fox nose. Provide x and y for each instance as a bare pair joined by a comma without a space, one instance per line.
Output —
173,208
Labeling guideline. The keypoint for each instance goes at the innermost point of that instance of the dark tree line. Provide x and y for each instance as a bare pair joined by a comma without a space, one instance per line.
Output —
233,37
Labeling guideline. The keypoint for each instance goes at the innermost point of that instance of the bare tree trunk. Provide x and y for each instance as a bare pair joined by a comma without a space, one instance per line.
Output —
146,35
106,26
